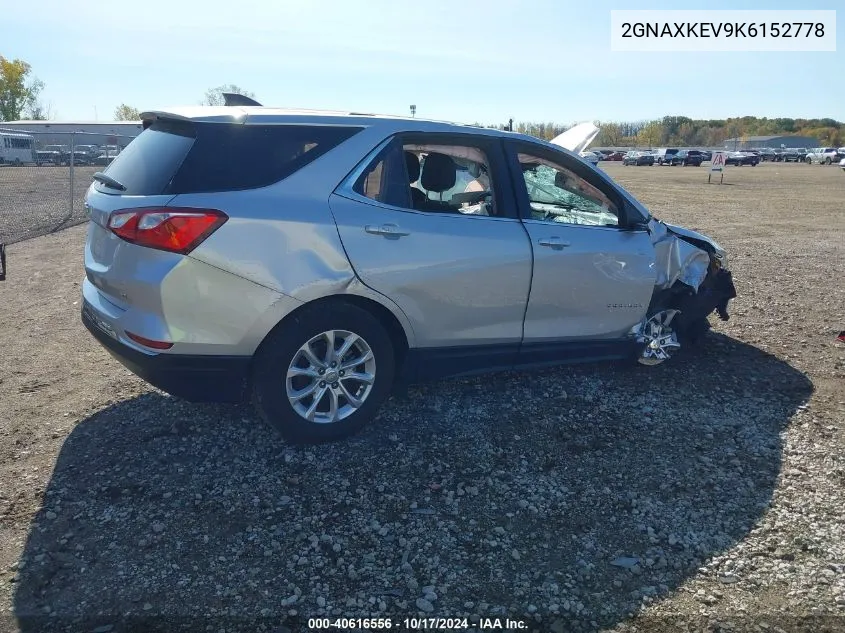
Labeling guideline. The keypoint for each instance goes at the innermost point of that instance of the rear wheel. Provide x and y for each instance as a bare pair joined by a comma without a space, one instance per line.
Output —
827,160
323,375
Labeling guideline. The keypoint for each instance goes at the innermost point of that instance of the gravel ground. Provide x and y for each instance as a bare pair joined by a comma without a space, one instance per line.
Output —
706,494
36,200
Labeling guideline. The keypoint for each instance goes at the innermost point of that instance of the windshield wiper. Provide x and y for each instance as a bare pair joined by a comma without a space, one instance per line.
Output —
108,181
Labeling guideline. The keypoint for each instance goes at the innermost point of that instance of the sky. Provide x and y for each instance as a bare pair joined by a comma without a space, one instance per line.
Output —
458,60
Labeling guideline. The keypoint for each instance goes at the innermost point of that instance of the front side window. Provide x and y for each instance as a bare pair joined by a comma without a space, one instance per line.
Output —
431,177
556,194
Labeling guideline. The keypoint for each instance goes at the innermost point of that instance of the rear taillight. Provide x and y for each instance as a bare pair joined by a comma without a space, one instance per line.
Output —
148,342
178,230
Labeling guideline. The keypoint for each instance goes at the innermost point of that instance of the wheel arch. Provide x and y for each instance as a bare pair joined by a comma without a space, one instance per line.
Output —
395,329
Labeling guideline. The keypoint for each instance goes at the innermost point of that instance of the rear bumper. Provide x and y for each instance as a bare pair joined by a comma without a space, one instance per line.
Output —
198,378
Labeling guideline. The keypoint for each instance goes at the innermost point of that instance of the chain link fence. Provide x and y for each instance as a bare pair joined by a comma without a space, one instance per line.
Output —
44,177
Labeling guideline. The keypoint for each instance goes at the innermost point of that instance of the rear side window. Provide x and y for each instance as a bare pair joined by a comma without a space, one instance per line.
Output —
149,162
173,157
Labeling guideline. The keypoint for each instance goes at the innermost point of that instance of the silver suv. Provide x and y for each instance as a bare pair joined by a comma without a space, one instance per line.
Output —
311,260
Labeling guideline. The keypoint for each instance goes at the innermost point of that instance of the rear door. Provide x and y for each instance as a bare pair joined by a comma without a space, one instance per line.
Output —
443,241
594,264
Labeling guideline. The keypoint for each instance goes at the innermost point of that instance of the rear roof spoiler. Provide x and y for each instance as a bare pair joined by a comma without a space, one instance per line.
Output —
234,99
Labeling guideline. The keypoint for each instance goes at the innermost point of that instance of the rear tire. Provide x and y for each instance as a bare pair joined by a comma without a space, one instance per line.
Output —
283,371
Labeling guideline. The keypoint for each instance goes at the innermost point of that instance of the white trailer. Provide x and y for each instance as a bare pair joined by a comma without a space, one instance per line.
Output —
16,148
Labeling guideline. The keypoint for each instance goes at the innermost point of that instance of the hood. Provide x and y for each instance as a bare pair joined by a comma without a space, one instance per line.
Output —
576,139
682,232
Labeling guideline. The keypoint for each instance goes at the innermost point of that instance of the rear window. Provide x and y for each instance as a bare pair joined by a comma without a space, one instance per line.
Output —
173,157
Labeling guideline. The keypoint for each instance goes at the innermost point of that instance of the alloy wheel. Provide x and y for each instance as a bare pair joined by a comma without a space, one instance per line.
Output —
658,338
330,376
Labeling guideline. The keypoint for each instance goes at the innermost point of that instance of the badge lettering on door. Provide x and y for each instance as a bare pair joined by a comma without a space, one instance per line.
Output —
623,306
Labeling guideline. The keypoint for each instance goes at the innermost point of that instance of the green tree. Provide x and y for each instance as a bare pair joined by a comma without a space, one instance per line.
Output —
214,96
19,90
124,112
610,135
650,134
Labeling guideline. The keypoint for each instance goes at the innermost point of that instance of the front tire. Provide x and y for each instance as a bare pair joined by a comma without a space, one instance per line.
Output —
323,374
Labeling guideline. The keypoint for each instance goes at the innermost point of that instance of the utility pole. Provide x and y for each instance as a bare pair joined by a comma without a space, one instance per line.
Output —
413,111
510,125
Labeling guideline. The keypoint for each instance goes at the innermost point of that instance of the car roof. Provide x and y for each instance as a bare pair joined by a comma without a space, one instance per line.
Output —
258,115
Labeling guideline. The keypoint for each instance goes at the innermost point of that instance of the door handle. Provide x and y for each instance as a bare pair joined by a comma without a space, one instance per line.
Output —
553,242
387,230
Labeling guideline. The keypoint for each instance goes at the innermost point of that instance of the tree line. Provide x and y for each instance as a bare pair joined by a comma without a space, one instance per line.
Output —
686,132
20,94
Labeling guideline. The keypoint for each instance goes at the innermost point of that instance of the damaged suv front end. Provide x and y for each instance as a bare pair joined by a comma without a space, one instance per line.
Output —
692,279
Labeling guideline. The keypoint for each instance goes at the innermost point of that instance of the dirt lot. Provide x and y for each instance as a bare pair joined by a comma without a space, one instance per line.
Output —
708,494
36,200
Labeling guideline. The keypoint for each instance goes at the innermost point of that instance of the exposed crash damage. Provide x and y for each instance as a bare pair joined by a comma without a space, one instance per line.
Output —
692,279
692,282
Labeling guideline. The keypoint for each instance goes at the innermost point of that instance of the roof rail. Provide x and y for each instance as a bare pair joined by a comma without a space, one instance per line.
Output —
234,99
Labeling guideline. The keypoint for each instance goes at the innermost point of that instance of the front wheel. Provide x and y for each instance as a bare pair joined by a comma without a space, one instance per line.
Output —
827,161
323,374
657,339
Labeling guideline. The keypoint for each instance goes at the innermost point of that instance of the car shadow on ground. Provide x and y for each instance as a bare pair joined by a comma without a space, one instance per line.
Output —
565,498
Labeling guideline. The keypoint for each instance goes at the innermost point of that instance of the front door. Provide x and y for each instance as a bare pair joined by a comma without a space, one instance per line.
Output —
594,267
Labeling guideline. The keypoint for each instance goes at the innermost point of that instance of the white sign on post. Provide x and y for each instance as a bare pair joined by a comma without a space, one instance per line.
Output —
717,164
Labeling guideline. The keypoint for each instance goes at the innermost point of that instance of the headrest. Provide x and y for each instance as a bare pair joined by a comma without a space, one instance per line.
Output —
438,173
413,163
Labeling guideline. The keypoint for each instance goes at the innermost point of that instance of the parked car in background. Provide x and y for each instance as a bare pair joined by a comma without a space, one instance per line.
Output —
794,155
81,158
638,159
823,155
590,157
615,156
90,150
105,158
308,261
706,155
687,157
45,157
663,156
766,154
842,164
742,158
